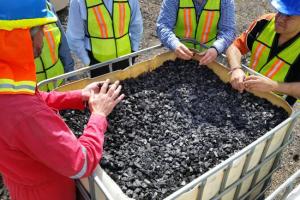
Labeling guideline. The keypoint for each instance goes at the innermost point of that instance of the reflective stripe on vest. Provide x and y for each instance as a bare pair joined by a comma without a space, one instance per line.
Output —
109,38
205,29
278,67
49,65
11,86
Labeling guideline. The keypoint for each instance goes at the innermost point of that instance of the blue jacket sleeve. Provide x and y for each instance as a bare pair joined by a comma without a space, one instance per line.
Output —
136,25
166,22
226,33
76,31
64,50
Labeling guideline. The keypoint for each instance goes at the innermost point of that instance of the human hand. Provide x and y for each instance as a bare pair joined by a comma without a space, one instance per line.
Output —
261,84
102,103
183,52
208,56
95,87
237,79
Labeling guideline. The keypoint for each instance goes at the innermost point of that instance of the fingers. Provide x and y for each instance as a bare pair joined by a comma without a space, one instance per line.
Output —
251,84
183,52
92,94
206,59
202,53
116,92
187,51
100,83
238,84
104,87
252,77
119,99
113,88
209,56
241,85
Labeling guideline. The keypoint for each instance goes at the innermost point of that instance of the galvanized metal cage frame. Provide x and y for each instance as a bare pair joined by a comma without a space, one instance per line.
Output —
258,183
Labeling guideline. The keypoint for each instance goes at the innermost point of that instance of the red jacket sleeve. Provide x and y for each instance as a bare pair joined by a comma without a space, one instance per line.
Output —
50,141
63,100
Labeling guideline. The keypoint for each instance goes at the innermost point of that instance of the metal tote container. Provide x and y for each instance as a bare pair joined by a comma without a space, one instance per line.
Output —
245,175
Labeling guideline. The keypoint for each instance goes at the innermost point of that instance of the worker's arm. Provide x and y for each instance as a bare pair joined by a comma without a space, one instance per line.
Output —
63,100
166,22
226,33
241,46
264,84
76,31
136,25
65,52
48,139
237,77
234,55
71,99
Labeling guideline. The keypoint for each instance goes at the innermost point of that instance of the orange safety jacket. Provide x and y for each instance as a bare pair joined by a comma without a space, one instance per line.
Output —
17,68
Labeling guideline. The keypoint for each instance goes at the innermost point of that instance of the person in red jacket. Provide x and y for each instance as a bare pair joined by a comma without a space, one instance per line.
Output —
40,156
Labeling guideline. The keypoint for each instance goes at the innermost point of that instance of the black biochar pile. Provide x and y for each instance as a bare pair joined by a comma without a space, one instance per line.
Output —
176,123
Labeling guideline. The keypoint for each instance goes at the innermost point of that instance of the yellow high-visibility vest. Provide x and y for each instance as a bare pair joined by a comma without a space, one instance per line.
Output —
205,29
49,65
278,67
108,34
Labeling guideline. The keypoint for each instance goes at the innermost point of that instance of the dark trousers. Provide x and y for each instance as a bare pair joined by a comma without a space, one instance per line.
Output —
105,69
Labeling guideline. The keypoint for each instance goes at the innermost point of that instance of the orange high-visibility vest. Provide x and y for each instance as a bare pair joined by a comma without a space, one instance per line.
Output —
17,68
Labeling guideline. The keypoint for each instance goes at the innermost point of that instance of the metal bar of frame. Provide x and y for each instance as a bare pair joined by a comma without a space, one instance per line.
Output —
242,152
262,160
200,192
84,194
287,191
102,187
244,171
99,65
289,182
92,186
225,177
